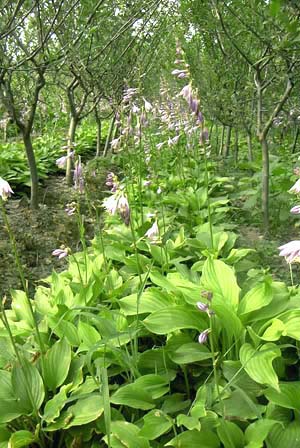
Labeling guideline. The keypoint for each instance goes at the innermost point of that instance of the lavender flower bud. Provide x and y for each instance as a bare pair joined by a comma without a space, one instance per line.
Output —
202,339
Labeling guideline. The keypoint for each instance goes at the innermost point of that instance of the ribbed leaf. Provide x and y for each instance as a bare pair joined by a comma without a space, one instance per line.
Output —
133,396
174,318
258,363
57,362
257,432
155,424
287,396
21,439
28,386
258,297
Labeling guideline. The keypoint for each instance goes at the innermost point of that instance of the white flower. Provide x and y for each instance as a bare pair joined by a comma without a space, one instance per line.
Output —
111,204
61,162
291,251
295,188
153,232
148,106
5,190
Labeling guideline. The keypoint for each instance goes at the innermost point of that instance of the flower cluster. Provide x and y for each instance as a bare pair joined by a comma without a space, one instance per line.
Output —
112,182
205,308
78,176
61,162
118,203
62,252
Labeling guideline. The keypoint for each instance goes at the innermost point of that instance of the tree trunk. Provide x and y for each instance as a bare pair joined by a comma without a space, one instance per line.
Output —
265,180
99,134
227,144
222,140
109,135
295,140
32,168
217,137
236,146
70,144
249,144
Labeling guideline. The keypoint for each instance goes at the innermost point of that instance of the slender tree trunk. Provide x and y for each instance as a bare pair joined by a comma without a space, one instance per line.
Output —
295,140
236,146
109,136
249,144
265,180
99,133
227,144
217,137
32,168
70,144
222,141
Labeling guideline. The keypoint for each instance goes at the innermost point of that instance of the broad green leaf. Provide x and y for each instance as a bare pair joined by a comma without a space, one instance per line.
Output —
88,335
57,362
287,396
28,386
21,439
6,389
188,422
229,321
84,411
21,307
291,320
151,300
56,404
274,331
63,328
9,410
194,438
133,396
240,406
155,423
175,403
257,432
258,297
190,352
174,318
230,434
258,363
288,437
126,434
155,385
219,278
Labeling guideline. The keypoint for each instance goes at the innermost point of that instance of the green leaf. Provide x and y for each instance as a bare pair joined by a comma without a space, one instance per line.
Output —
155,424
188,422
155,385
194,438
84,411
133,396
28,386
88,335
288,437
6,389
21,307
190,352
258,363
56,404
230,434
21,439
174,318
258,297
126,434
257,432
219,278
9,410
287,395
151,300
57,362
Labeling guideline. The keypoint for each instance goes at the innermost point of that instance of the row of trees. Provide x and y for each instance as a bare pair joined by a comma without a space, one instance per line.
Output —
245,57
71,55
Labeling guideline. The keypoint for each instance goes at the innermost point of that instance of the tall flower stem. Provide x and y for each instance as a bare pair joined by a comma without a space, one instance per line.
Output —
208,200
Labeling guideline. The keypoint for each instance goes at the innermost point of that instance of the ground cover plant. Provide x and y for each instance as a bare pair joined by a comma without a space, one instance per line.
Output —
161,326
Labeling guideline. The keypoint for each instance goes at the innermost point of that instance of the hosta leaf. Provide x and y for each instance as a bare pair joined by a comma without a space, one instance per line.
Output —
174,318
21,307
155,424
84,411
258,297
56,404
258,363
219,278
9,410
21,439
230,434
188,422
155,385
190,352
28,386
194,438
288,437
287,396
57,362
257,432
126,434
133,396
151,300
6,389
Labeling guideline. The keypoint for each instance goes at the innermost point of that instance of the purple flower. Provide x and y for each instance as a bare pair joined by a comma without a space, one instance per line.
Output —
202,307
295,210
147,183
202,338
111,204
70,209
183,74
296,187
61,253
5,190
148,106
115,143
61,162
78,176
124,210
186,92
291,251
